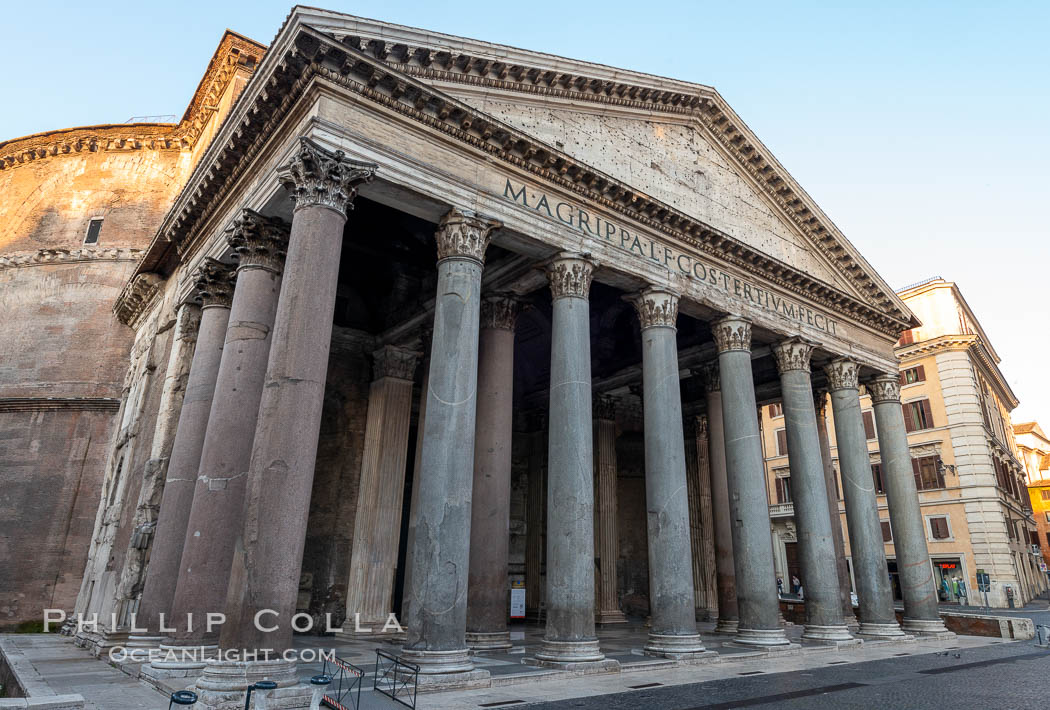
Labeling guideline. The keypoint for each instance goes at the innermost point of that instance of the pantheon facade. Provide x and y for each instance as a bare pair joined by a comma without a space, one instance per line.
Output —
429,317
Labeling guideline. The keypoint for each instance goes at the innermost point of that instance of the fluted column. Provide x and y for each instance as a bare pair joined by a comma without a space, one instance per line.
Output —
377,522
702,523
608,543
534,520
820,405
215,519
268,555
672,631
756,588
921,613
214,287
877,619
487,593
721,505
570,638
824,621
437,611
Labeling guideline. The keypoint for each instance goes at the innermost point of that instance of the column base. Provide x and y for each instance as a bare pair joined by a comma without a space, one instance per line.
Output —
766,639
223,685
926,628
851,622
881,632
182,658
489,641
727,626
582,656
837,635
610,616
143,642
439,662
676,647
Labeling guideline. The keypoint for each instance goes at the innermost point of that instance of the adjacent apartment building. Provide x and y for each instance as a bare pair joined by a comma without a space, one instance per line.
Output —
1034,447
967,465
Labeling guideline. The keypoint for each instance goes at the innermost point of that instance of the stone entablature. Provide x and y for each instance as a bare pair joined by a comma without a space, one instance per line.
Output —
45,257
314,56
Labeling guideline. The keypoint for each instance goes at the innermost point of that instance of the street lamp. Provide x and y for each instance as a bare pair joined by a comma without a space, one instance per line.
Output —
182,697
261,685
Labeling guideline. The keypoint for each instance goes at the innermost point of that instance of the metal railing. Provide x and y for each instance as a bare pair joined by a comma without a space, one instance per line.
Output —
344,692
396,679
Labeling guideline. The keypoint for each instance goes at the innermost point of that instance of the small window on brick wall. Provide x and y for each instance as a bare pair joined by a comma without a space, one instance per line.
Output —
782,442
887,534
913,375
917,415
94,230
939,528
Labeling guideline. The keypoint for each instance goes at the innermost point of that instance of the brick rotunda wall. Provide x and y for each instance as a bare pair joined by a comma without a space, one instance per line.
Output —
63,354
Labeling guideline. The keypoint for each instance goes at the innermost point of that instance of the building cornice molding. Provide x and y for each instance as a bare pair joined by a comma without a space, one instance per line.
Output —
48,257
138,299
310,55
81,404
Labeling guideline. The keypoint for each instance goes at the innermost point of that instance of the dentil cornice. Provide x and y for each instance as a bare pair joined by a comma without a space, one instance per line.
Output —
656,307
732,333
792,354
465,235
258,241
570,274
215,282
318,177
843,374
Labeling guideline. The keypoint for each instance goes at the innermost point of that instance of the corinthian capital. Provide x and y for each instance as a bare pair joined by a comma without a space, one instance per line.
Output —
214,283
570,273
258,241
842,374
318,177
884,388
710,376
604,407
392,361
499,311
464,234
792,354
656,307
732,333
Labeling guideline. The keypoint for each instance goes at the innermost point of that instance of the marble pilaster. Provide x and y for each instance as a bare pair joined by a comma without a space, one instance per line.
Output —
607,545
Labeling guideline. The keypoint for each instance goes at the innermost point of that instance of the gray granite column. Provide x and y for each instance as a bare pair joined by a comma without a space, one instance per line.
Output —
215,519
377,521
608,528
268,553
722,508
756,586
672,631
877,619
488,589
921,613
437,613
215,288
824,621
570,641
820,406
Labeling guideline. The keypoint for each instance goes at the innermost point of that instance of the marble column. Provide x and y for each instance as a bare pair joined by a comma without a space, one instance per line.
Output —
607,545
672,631
820,405
535,515
877,619
921,613
570,641
702,522
722,507
259,245
437,619
756,586
264,576
214,287
809,494
488,589
377,521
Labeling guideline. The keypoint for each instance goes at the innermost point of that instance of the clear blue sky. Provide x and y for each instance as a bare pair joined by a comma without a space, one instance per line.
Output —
920,128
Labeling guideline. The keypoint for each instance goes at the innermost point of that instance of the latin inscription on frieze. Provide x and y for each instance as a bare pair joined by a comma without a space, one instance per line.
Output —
596,227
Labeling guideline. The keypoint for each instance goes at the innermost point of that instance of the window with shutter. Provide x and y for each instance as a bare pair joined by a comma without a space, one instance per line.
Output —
913,375
782,442
887,534
917,415
876,475
939,528
869,425
776,410
907,338
783,486
929,474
